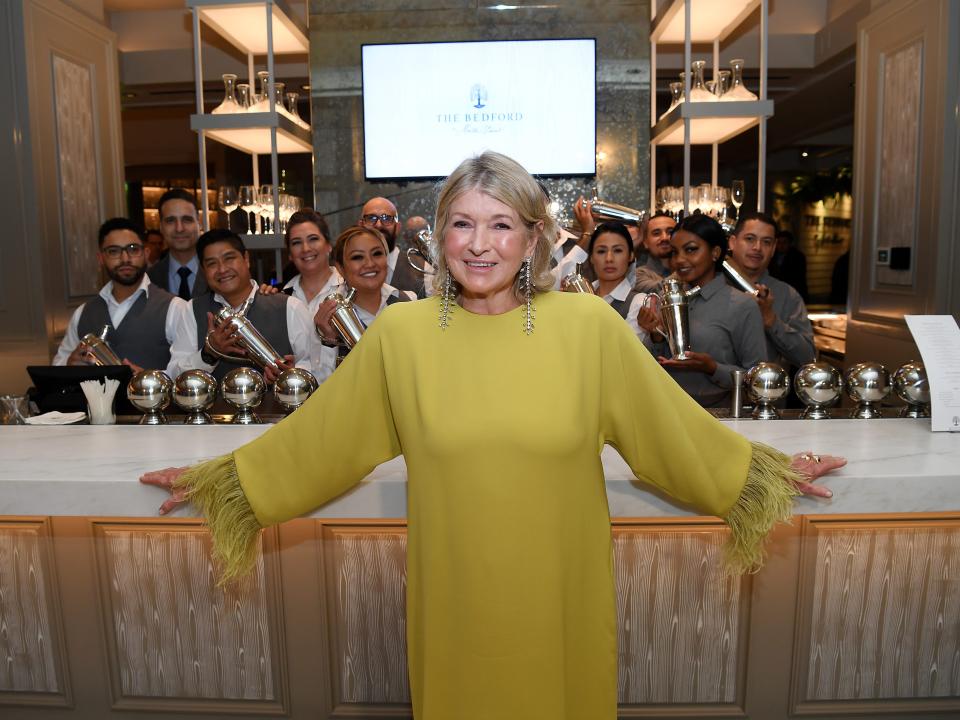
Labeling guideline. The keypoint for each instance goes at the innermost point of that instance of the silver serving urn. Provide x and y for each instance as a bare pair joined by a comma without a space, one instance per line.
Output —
818,385
149,391
249,338
243,388
100,351
293,387
194,391
867,384
674,302
911,385
767,383
345,319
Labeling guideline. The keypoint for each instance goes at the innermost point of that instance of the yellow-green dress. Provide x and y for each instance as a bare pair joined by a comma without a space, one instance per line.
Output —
510,593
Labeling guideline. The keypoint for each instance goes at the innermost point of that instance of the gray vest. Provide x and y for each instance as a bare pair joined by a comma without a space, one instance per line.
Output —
268,315
142,335
623,306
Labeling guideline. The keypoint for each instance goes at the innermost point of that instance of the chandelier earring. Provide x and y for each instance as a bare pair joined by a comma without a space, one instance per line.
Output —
447,299
526,287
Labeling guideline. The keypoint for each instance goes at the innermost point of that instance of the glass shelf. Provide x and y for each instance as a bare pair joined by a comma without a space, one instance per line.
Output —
250,132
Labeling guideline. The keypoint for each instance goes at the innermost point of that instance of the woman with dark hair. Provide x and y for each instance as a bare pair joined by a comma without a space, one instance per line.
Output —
726,328
308,243
360,254
610,252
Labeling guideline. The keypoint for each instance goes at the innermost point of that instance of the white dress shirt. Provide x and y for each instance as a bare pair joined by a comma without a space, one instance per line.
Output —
578,256
184,354
620,293
332,283
392,262
118,311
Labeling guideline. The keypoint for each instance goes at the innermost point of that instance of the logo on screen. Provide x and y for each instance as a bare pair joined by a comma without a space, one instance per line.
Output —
478,96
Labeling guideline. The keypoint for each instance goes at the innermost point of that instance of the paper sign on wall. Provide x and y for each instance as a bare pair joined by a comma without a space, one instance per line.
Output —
938,338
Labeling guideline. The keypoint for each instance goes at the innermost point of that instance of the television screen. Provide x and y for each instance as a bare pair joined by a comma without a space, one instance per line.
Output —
427,106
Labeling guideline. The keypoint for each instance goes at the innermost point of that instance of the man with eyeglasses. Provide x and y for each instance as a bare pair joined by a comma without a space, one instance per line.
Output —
179,272
382,214
141,317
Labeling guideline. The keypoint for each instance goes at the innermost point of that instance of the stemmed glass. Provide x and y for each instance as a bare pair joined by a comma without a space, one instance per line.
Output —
247,200
737,192
227,198
265,195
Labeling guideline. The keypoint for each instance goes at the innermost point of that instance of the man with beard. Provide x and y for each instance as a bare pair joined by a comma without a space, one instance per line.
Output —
179,272
381,214
787,328
141,317
282,319
656,240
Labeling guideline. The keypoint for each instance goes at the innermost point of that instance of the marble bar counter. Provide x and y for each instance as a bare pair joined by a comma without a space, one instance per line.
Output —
894,465
107,610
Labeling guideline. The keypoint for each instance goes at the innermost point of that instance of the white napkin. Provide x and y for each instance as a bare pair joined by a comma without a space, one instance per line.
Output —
100,400
55,418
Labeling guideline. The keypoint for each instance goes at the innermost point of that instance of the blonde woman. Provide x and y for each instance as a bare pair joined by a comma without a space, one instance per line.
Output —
510,594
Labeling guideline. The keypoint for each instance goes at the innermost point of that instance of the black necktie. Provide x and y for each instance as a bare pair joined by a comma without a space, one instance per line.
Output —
184,291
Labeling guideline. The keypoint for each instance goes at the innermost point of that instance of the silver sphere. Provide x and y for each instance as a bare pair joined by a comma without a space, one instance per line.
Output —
194,391
911,385
243,389
293,387
818,385
867,384
149,391
766,383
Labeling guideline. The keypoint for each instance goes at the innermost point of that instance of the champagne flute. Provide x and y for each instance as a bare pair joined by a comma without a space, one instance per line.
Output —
737,192
247,199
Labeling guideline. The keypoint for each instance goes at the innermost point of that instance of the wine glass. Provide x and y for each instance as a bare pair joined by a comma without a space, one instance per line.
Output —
737,192
265,195
247,199
227,199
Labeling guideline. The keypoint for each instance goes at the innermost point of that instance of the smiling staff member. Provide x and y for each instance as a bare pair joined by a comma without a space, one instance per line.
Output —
308,242
785,323
360,254
611,252
141,316
726,331
282,320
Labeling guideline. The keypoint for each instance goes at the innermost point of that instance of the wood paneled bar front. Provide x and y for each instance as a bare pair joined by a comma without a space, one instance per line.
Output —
106,608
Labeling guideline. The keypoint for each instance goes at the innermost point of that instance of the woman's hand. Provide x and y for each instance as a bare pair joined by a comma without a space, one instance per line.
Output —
649,320
694,362
166,478
581,209
812,466
322,320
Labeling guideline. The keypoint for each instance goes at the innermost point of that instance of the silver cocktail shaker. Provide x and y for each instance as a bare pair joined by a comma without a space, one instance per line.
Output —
258,349
424,246
675,315
602,210
345,319
739,279
100,351
576,283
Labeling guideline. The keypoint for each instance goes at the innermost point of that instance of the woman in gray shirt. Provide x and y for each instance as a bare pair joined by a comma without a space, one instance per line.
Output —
726,328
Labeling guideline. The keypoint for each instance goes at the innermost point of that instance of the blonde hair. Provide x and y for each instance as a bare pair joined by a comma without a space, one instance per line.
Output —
503,179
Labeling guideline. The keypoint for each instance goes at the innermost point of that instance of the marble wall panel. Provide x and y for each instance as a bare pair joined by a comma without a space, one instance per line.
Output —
78,175
338,29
